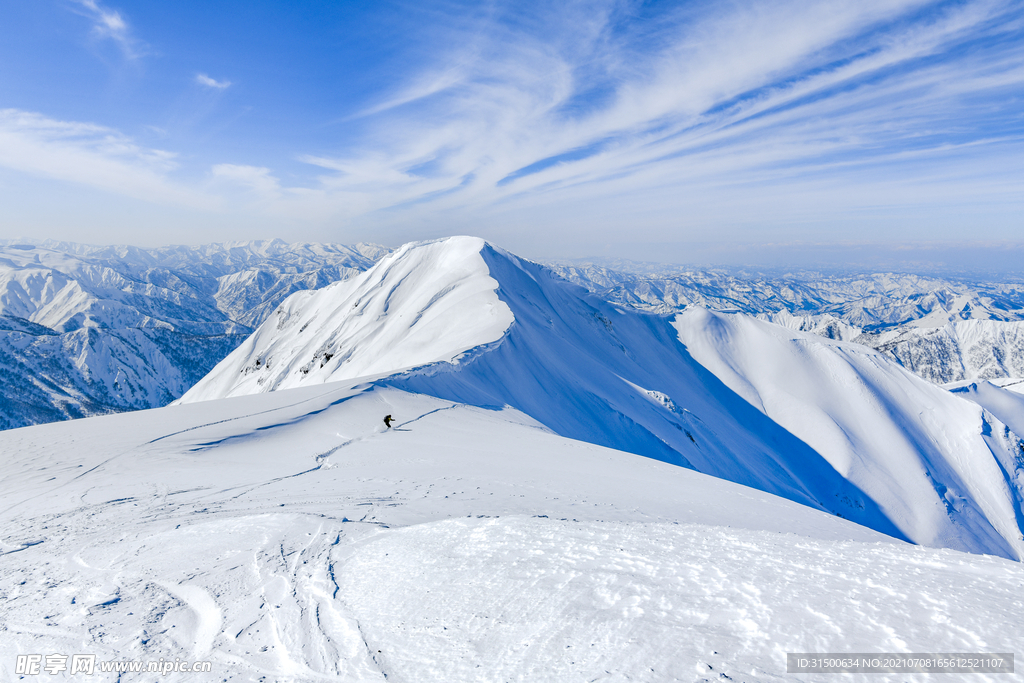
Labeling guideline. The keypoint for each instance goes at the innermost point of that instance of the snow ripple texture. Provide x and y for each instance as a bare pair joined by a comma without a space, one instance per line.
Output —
521,599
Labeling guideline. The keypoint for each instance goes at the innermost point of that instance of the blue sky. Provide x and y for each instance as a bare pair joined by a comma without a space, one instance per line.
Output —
688,131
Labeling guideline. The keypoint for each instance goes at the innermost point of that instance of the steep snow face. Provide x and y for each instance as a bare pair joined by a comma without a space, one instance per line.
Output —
289,537
1005,404
592,371
931,461
425,303
88,330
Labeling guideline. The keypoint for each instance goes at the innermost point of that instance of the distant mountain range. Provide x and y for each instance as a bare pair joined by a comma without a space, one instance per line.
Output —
944,330
87,330
869,302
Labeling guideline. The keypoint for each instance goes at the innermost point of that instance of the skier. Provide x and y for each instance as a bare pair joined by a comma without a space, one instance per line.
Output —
387,421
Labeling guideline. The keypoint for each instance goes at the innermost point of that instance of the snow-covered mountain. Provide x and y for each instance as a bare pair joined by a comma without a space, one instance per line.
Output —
506,527
89,330
960,350
941,329
286,536
831,425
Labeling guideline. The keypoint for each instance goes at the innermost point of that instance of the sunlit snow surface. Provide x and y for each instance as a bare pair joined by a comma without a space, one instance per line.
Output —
832,425
289,537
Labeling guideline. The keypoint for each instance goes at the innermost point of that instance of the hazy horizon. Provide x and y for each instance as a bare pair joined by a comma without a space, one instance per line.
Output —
978,261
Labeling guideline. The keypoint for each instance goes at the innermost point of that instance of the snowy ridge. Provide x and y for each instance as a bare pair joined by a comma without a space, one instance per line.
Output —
422,304
838,427
902,439
1007,405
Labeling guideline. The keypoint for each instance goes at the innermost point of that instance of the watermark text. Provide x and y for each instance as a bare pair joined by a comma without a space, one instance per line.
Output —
53,664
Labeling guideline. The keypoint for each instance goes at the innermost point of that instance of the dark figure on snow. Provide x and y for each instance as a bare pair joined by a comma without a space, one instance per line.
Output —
387,421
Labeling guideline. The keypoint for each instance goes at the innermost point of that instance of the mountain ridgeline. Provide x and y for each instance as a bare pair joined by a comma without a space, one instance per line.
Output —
829,424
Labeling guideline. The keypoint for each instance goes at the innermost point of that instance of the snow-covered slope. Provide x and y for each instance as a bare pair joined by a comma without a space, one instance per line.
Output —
287,537
1005,404
422,304
87,330
902,439
489,329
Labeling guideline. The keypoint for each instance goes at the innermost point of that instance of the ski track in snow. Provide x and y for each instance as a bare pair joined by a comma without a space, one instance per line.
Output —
207,614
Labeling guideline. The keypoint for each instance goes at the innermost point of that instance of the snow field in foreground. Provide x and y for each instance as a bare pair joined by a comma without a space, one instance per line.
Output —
288,537
528,599
301,598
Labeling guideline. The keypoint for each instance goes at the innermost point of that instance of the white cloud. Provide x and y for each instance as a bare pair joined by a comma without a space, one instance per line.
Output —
108,23
203,79
91,155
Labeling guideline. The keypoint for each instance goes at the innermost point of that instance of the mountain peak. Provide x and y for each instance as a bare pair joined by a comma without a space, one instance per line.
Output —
424,303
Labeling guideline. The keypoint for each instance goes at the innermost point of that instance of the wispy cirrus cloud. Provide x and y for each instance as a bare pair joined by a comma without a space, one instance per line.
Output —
699,109
110,24
257,179
203,79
